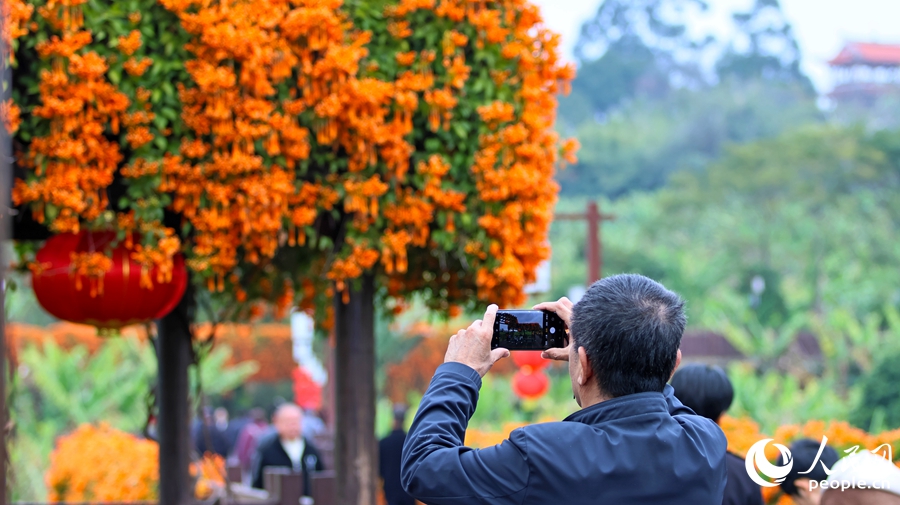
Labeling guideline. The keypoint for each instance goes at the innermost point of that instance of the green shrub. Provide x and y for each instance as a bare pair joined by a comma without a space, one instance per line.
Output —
879,405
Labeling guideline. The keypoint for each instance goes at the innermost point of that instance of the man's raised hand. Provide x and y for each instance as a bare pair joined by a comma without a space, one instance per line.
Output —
472,346
563,309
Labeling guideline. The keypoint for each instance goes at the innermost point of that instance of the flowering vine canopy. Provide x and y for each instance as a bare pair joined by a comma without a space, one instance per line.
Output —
286,147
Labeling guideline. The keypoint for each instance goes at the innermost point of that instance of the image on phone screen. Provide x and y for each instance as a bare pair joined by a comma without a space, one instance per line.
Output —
528,330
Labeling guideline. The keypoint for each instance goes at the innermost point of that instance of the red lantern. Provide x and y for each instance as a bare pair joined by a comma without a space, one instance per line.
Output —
307,393
530,359
530,386
119,301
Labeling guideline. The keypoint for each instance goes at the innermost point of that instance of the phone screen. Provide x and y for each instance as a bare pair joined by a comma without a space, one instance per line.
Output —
518,329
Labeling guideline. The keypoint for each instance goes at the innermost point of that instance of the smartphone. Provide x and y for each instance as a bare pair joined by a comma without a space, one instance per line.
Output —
528,330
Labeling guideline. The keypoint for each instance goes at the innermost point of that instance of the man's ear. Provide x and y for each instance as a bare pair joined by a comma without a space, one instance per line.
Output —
677,363
586,371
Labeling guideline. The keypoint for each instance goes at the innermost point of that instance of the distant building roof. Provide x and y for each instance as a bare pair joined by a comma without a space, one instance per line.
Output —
705,345
867,53
702,344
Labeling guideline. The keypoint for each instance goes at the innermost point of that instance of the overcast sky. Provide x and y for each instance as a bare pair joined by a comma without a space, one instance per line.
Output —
821,26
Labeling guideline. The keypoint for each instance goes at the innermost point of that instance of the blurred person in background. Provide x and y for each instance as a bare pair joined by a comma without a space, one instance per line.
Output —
249,439
390,455
207,436
707,391
227,428
287,448
875,481
313,425
797,485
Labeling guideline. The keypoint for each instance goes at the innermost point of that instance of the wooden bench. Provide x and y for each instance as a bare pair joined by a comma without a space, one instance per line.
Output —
285,487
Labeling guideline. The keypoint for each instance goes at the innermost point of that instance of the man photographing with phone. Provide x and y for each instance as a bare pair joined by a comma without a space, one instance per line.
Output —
632,442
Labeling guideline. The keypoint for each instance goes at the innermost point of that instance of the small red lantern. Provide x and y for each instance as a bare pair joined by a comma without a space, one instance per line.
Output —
530,359
113,300
530,386
307,393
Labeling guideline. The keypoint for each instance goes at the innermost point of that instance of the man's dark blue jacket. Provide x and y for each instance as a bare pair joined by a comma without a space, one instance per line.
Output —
645,448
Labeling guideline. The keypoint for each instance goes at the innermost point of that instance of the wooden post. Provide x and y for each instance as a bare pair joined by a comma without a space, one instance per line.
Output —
174,354
323,487
594,219
328,394
290,487
234,473
356,458
593,245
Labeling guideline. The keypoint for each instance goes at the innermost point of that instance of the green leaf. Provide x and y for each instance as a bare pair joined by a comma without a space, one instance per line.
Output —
461,129
115,75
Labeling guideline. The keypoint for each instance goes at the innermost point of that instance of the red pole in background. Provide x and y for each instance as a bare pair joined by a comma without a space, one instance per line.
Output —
593,243
594,256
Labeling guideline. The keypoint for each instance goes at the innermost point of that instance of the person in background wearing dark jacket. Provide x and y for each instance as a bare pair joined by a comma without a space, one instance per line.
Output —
707,391
287,448
228,428
797,485
208,437
390,451
632,442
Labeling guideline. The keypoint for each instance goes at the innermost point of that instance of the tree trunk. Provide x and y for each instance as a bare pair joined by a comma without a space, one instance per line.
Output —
173,424
356,457
5,228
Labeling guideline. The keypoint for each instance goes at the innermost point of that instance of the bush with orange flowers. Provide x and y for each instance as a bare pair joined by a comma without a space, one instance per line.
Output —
102,464
99,463
210,476
302,143
267,344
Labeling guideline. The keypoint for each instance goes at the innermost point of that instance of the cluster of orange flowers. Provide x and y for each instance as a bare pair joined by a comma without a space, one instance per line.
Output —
515,162
237,180
289,116
99,463
744,432
103,464
74,164
209,473
92,265
250,152
14,14
481,438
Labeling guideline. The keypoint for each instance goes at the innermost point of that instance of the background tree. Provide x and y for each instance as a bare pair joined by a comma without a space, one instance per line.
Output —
295,152
878,408
637,146
653,97
765,47
629,49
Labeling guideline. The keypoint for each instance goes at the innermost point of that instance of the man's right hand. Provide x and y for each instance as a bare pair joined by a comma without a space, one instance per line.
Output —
563,309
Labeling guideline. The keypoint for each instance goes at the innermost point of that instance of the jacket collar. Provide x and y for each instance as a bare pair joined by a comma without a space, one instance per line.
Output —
621,407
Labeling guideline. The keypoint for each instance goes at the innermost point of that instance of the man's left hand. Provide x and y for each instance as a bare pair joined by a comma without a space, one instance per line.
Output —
472,346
